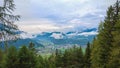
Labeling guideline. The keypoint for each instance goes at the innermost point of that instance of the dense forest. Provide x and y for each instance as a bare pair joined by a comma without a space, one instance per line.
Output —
103,52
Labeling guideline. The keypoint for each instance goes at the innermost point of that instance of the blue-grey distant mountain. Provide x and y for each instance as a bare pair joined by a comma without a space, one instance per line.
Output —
89,30
57,38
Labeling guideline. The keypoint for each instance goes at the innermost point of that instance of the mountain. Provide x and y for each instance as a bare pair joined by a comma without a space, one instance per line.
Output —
47,39
62,38
90,30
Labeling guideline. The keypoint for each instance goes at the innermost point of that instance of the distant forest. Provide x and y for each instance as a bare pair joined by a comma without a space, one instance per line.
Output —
103,52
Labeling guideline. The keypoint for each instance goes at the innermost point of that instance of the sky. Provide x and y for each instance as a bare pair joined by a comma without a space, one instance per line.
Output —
60,15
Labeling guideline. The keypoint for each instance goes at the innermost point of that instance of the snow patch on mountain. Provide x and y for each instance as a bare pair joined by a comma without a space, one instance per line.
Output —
88,33
60,35
57,35
82,33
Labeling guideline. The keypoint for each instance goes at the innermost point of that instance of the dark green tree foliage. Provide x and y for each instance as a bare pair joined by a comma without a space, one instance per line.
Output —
87,55
1,58
80,58
95,53
40,62
52,61
46,62
31,46
101,52
23,57
105,38
58,58
26,58
11,60
114,61
72,58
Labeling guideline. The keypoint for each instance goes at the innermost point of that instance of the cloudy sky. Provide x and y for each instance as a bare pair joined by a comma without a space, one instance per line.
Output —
60,15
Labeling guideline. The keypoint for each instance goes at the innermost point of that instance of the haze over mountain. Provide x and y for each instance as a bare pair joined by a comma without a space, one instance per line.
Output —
56,38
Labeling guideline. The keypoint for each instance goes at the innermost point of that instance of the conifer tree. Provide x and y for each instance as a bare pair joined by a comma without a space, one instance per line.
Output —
58,58
101,52
11,60
26,58
80,58
87,59
51,59
1,58
7,27
114,61
40,62
31,46
105,37
95,53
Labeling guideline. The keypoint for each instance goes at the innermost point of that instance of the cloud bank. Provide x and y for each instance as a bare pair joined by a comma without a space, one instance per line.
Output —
60,15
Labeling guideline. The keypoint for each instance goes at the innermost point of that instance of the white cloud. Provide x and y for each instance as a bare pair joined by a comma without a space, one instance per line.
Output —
79,22
42,25
60,15
26,35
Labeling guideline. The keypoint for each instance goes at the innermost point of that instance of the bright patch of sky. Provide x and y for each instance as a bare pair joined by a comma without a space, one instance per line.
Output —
60,15
1,2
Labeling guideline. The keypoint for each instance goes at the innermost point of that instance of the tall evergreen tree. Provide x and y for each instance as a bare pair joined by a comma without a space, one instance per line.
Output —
31,46
40,62
58,58
26,58
105,38
87,59
11,60
1,58
95,53
80,58
7,27
114,61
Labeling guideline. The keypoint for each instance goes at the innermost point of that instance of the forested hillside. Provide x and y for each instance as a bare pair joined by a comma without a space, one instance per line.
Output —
103,52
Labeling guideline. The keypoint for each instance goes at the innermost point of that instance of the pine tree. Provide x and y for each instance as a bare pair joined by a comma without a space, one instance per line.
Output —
51,59
27,59
80,58
7,27
1,58
31,46
87,59
114,61
101,52
40,62
11,58
104,40
66,58
58,58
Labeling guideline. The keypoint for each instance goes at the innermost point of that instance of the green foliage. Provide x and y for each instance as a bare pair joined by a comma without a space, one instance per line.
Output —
105,49
114,61
58,58
104,52
26,58
31,46
87,55
11,58
1,58
71,58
